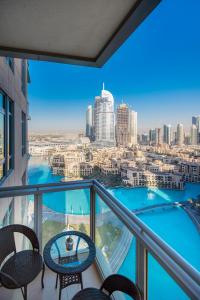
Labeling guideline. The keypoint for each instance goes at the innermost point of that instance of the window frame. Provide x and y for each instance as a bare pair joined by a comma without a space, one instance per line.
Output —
8,136
24,133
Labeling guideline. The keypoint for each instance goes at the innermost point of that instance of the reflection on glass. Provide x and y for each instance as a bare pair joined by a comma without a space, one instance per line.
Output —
114,242
1,136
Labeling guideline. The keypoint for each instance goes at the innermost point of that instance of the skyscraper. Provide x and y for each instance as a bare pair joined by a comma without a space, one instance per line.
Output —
196,122
193,135
152,136
89,122
158,136
132,127
104,119
167,134
122,125
180,135
126,126
144,138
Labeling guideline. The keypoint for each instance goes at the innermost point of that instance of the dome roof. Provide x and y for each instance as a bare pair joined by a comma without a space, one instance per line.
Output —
107,94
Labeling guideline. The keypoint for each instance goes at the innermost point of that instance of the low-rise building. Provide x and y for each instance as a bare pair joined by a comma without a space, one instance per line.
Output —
141,178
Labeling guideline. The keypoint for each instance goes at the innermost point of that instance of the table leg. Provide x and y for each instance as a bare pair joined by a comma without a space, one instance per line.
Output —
81,279
60,290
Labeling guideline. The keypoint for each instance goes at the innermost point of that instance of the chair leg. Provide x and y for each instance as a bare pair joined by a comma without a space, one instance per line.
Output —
56,282
60,290
42,278
25,292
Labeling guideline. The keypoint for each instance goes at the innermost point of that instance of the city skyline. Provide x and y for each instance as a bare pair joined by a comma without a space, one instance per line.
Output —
160,80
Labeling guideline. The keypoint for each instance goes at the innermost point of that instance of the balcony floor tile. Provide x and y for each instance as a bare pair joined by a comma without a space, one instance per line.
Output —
90,278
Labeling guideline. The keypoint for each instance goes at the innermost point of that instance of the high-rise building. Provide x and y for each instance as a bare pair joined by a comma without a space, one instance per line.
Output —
158,136
89,122
132,127
167,134
126,126
104,119
196,122
193,135
14,77
144,138
122,125
180,135
152,136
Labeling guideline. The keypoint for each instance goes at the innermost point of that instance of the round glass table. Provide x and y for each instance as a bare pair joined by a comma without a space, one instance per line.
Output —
68,254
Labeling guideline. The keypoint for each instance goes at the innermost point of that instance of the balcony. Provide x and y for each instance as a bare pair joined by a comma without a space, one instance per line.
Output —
117,234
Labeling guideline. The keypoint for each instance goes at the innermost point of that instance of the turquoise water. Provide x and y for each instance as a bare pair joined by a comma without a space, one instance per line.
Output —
72,202
173,225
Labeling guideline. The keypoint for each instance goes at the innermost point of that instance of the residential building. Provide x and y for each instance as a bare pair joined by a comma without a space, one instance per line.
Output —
144,139
133,127
152,136
89,122
126,126
122,125
14,77
193,135
167,134
196,122
147,178
104,119
180,135
158,136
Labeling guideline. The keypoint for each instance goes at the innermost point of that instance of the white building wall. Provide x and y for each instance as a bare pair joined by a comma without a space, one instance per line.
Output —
10,84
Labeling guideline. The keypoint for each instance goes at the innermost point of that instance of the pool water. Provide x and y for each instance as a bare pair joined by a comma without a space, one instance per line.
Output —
173,225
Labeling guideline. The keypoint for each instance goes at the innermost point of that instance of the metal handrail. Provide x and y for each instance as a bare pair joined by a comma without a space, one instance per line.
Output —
158,240
182,272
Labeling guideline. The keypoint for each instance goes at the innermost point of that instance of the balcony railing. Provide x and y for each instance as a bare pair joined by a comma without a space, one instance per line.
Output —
109,220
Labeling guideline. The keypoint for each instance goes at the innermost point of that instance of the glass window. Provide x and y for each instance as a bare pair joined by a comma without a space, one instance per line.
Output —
10,134
6,135
2,136
23,133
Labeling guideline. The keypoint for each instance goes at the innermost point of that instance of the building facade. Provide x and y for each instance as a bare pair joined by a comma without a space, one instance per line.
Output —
133,127
122,125
167,134
196,122
104,119
126,126
89,122
180,135
14,77
193,135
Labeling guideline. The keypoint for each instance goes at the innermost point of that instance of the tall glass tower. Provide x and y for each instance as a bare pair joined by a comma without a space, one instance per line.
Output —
180,135
167,134
89,122
104,118
196,122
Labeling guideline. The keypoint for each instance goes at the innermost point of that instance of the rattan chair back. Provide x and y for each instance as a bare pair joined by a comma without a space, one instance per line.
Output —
117,282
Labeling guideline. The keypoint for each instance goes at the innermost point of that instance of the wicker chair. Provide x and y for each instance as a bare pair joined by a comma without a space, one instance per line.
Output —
18,269
111,284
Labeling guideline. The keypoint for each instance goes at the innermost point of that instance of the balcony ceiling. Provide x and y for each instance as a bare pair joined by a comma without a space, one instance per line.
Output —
85,32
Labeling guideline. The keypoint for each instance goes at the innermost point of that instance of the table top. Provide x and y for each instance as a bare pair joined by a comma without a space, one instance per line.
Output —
69,252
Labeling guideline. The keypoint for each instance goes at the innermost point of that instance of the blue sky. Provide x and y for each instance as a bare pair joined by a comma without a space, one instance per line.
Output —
157,72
